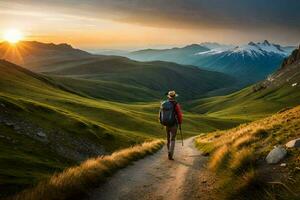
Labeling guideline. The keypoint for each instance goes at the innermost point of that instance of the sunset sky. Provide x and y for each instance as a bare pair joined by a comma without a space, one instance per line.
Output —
152,23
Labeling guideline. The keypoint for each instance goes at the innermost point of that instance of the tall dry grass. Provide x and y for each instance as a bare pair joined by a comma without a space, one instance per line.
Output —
242,161
75,182
238,150
219,158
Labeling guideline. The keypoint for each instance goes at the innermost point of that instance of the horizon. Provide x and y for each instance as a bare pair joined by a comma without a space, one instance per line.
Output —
150,47
134,25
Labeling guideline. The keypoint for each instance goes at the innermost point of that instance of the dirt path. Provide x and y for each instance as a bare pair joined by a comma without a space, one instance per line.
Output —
155,177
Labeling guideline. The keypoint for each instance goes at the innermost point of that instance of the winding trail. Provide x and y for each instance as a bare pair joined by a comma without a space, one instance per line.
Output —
157,178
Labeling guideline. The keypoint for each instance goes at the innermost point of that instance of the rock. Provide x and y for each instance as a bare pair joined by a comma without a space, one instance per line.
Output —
41,134
9,124
283,165
277,154
293,143
2,105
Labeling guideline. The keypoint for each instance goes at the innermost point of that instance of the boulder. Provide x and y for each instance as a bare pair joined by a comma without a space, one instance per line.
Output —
293,143
277,154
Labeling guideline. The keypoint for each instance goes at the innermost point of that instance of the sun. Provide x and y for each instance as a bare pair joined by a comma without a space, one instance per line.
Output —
13,36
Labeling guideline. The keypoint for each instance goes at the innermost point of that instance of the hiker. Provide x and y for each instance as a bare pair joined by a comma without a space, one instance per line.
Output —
170,116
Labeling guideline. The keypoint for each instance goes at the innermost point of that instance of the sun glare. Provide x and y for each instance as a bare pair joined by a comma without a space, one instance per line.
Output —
12,36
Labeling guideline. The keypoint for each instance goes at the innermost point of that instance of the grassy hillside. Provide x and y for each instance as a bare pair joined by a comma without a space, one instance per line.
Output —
238,157
107,90
47,126
153,76
248,104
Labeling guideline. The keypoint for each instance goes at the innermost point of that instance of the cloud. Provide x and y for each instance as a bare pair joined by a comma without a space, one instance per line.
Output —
231,14
258,17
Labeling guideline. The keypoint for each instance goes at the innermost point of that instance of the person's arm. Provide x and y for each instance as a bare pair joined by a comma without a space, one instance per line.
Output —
179,113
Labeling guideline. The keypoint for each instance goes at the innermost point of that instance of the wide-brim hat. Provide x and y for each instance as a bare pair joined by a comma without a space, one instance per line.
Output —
172,94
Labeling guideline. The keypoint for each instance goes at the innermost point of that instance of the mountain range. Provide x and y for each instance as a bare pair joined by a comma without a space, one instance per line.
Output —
249,63
99,74
279,90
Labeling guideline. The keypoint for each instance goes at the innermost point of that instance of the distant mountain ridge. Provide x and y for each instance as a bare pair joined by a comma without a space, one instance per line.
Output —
99,75
33,53
249,63
178,55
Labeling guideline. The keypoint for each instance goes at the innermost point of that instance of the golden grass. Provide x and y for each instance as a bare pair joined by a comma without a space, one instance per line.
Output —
242,160
236,152
74,182
244,141
219,157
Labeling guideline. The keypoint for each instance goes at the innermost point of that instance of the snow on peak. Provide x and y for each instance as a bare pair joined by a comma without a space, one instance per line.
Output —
252,49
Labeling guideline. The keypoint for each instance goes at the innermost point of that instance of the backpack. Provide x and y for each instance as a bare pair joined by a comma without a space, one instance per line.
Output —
167,113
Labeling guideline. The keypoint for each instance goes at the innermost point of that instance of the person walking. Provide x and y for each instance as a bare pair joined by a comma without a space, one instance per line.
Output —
170,115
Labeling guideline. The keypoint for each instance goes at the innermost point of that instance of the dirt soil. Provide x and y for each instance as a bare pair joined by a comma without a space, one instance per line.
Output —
156,177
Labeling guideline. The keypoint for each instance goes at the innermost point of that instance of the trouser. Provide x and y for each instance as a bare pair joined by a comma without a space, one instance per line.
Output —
171,136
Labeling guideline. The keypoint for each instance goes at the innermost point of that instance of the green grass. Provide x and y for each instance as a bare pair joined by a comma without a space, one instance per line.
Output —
150,77
25,161
69,115
248,104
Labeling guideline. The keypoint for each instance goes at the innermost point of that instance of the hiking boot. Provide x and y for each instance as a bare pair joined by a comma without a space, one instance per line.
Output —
170,157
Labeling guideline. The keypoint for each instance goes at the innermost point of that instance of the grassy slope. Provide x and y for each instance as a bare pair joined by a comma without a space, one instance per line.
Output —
238,158
107,90
248,104
73,122
75,182
154,76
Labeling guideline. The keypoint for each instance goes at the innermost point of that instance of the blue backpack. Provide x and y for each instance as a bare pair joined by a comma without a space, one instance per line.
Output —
167,113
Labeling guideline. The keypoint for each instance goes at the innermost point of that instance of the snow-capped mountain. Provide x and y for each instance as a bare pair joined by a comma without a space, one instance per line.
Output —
249,63
251,49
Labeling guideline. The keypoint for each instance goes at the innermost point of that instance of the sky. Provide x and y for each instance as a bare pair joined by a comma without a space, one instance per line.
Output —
128,24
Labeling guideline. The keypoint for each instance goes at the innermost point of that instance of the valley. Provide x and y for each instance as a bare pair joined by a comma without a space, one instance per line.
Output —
58,118
57,111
